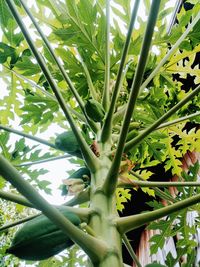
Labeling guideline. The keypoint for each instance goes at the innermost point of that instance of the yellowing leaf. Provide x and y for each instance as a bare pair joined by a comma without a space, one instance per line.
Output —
122,195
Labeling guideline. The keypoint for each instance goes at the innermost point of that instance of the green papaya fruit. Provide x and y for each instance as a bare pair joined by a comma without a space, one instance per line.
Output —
67,142
40,238
94,110
79,179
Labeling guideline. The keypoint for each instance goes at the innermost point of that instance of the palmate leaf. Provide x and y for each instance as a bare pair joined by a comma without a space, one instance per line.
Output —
70,16
189,141
27,67
20,152
9,25
38,110
68,258
7,53
172,160
10,104
166,230
122,195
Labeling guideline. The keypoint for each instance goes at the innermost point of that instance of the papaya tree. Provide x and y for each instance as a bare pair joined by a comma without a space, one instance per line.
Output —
104,73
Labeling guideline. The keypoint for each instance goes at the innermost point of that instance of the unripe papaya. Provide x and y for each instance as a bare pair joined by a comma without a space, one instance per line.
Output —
67,142
40,238
76,182
94,110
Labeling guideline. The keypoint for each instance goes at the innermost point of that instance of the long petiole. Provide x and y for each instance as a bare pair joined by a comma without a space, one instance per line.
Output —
31,137
42,161
130,250
106,92
128,223
111,180
107,127
15,198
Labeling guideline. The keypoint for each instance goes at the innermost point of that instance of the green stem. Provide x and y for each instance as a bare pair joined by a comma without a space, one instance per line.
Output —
164,195
118,116
90,245
89,156
129,223
129,145
88,77
174,14
34,138
130,250
111,180
15,198
107,127
169,123
159,192
170,53
42,161
150,184
106,92
10,225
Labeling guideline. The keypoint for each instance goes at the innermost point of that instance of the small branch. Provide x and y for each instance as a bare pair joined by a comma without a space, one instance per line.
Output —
16,199
129,145
169,123
89,156
92,246
129,223
130,250
159,192
107,127
163,195
111,180
88,77
173,17
34,138
118,116
42,161
106,92
10,225
150,184
171,52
